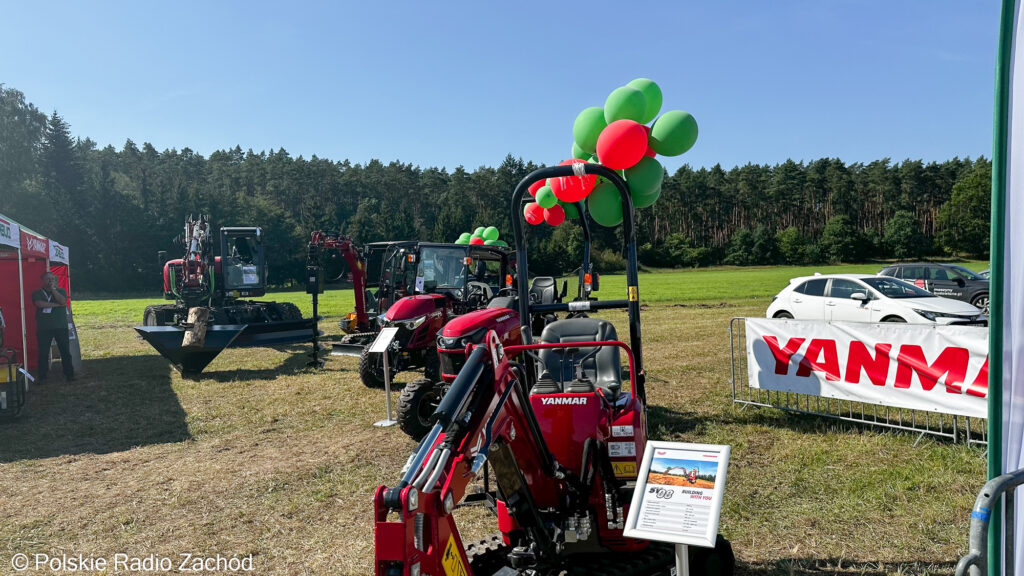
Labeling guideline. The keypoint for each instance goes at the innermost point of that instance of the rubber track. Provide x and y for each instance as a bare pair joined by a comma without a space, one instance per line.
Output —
487,556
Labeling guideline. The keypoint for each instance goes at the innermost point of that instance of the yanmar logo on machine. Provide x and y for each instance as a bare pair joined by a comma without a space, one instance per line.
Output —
578,401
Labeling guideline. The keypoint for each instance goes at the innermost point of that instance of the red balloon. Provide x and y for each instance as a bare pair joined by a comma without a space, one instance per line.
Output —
622,144
536,186
476,240
533,212
554,215
573,188
650,151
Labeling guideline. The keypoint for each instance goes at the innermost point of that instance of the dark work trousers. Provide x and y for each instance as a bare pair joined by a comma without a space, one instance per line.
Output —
45,334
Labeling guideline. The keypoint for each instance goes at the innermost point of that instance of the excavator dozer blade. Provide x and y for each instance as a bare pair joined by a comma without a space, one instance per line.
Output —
276,333
192,360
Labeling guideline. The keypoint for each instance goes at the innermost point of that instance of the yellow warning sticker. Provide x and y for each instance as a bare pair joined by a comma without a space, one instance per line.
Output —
624,469
633,296
452,560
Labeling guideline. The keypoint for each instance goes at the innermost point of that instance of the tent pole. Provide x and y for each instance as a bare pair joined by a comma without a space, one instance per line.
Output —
24,326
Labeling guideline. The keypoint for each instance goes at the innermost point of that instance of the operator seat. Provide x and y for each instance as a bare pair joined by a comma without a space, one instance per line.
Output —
601,369
485,291
544,288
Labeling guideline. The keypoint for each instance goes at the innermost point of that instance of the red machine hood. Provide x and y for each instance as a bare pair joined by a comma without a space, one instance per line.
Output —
415,306
499,319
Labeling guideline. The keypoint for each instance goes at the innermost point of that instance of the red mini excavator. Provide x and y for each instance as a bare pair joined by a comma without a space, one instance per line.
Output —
562,426
222,284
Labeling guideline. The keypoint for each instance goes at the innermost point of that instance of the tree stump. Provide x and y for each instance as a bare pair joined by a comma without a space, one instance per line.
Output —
195,334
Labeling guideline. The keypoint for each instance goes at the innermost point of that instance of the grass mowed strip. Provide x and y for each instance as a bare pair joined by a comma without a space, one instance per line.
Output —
266,457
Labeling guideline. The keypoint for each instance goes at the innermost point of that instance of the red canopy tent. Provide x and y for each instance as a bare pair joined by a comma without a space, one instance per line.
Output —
24,257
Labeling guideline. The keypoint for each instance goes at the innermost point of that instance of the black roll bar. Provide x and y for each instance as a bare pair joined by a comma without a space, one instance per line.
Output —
632,302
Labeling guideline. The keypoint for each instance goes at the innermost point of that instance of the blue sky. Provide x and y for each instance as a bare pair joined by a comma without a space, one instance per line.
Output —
465,83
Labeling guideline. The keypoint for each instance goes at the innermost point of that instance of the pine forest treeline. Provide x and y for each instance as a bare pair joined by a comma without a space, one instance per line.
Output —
115,208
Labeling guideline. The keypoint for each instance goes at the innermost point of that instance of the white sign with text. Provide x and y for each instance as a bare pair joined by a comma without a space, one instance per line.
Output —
678,494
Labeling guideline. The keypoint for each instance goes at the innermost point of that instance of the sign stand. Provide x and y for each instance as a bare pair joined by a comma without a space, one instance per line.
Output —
682,560
380,345
678,497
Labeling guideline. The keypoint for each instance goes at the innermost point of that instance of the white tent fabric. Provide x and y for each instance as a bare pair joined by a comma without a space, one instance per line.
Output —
1013,281
59,253
10,233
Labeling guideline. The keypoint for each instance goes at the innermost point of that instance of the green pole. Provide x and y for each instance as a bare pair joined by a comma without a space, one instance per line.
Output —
1000,131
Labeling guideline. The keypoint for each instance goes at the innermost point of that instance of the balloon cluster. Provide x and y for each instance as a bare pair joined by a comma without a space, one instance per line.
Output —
618,137
487,236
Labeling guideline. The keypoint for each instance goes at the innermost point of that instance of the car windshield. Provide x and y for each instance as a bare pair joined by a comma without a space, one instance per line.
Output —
893,288
967,274
441,268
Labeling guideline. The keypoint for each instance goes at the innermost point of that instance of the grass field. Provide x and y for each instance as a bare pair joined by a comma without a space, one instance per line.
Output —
267,457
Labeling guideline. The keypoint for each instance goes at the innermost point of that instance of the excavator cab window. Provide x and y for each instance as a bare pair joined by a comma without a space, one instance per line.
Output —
242,260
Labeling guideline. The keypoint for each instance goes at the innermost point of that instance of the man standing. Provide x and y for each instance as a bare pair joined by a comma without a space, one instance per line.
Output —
52,323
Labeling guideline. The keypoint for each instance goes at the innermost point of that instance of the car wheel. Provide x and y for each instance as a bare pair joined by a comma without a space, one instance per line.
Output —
784,315
981,301
896,319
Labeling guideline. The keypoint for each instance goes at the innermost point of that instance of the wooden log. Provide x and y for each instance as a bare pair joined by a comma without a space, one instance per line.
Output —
195,334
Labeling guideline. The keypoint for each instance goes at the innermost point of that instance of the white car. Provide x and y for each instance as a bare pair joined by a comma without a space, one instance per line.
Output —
866,298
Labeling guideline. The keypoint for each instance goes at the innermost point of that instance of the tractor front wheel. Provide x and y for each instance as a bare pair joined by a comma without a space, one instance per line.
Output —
371,369
416,405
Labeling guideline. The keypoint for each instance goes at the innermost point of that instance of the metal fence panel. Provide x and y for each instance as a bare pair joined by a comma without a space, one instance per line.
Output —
952,427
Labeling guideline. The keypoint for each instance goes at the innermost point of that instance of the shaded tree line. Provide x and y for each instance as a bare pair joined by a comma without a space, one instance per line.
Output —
116,208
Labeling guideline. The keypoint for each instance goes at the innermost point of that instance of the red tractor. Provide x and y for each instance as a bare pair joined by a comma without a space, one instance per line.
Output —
420,398
430,284
541,415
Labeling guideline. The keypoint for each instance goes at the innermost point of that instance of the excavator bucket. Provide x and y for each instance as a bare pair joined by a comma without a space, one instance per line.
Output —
192,360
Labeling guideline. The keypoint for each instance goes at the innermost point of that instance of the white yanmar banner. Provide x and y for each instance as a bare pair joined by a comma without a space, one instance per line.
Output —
921,367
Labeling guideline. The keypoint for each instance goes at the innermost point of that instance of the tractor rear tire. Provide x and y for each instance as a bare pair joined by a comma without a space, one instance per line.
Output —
371,369
416,404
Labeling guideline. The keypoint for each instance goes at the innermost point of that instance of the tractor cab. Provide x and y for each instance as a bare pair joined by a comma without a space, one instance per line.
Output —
470,275
385,262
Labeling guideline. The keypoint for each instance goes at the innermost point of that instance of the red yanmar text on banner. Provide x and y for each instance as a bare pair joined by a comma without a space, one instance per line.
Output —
920,367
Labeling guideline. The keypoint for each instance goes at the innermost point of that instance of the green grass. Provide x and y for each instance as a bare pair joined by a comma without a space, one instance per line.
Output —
266,456
732,284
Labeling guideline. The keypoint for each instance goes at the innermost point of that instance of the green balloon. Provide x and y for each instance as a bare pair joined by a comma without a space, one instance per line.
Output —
644,177
593,159
465,236
587,128
462,241
490,233
644,201
546,197
579,153
491,243
625,102
604,205
500,243
652,93
673,133
570,210
479,231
